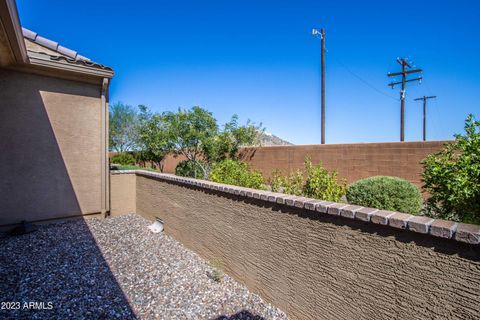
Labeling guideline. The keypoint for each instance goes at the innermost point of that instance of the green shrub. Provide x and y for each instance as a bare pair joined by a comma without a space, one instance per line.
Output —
387,193
293,184
452,177
217,273
322,184
189,168
276,181
236,173
124,158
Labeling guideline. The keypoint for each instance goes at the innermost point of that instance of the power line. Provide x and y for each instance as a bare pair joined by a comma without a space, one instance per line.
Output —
365,81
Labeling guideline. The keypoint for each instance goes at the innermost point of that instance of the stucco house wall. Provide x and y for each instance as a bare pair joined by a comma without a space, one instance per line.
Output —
53,127
50,162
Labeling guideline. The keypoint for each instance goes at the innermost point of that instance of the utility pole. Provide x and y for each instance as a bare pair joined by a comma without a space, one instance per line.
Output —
321,33
406,69
425,98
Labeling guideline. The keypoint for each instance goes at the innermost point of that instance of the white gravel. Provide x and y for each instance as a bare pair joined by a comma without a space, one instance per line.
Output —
115,269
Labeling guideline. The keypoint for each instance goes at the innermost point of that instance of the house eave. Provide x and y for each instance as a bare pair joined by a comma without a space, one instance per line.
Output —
11,24
42,61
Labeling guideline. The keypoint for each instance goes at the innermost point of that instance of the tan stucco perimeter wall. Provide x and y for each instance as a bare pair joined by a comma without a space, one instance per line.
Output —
123,194
316,266
50,159
352,161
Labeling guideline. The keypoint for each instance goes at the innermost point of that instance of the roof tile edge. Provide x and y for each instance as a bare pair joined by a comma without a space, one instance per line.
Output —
52,45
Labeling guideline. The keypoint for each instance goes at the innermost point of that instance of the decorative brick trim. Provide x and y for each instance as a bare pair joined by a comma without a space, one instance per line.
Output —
350,211
336,208
364,214
443,228
324,205
468,233
381,217
439,228
420,224
283,199
312,204
399,220
300,202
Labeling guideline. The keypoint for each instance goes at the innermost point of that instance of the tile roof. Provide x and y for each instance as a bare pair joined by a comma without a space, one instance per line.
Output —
52,45
64,54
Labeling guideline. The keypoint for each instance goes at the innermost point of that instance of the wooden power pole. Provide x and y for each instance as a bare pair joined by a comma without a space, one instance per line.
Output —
425,98
321,33
406,69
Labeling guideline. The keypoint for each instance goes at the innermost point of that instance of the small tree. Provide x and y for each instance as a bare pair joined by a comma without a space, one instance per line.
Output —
452,177
154,137
235,136
195,134
123,133
189,168
190,131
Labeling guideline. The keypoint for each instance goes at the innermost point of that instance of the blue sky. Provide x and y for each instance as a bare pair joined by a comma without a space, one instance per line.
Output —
258,59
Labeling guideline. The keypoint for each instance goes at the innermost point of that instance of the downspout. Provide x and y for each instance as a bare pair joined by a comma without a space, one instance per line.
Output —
104,146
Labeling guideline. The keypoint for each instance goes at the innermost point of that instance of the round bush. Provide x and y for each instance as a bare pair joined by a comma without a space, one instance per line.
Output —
189,168
387,193
124,158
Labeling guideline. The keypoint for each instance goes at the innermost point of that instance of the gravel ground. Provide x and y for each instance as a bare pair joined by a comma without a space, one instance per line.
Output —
115,269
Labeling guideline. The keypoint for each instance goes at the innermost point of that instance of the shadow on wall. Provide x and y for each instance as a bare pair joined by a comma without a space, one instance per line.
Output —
61,270
242,315
36,184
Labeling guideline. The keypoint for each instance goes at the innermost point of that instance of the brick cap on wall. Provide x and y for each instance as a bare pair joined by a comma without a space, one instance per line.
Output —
467,233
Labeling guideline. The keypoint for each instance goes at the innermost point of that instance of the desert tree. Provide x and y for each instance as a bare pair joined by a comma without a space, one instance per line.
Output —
123,127
195,134
153,137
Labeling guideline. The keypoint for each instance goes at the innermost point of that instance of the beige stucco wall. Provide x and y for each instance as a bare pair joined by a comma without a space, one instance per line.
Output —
123,194
317,266
50,159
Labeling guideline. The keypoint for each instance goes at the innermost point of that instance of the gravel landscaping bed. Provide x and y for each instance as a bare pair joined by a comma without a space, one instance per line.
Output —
115,269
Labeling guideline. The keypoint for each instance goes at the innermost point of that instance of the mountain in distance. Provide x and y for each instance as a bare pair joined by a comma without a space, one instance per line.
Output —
267,139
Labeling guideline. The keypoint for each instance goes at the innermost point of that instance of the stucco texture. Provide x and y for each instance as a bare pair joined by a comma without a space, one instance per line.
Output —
352,161
123,194
316,266
50,160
